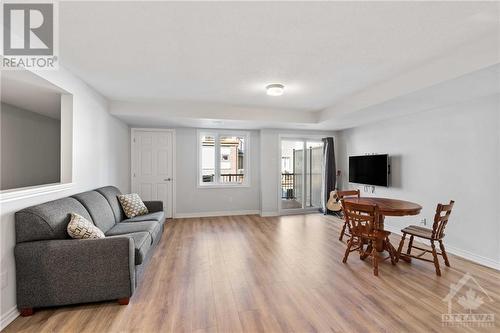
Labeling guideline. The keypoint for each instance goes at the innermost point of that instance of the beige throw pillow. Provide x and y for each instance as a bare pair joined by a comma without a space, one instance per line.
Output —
132,205
81,228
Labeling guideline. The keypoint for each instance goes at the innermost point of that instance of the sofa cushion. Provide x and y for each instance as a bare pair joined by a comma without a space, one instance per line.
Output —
98,207
158,216
48,220
111,194
132,205
154,205
81,228
152,227
142,244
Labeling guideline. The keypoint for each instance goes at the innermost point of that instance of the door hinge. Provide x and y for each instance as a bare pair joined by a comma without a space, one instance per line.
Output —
134,140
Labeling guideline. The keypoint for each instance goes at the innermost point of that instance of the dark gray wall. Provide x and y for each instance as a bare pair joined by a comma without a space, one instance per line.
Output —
30,148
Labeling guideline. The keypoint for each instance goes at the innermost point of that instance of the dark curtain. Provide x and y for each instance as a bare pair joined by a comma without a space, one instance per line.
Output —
329,171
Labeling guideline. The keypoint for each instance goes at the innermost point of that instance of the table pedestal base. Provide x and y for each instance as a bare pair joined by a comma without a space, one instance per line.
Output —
380,245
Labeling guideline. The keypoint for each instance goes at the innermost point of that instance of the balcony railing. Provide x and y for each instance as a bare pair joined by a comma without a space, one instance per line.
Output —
225,178
232,177
287,185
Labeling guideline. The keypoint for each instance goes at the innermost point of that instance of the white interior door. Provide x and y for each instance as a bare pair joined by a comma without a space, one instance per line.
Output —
152,166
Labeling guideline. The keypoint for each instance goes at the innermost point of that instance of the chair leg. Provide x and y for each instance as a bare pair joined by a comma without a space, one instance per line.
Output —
342,232
410,245
391,250
400,247
348,250
436,262
375,260
445,255
363,255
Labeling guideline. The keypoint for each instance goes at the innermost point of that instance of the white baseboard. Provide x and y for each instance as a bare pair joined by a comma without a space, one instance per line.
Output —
212,214
473,257
8,317
488,262
269,214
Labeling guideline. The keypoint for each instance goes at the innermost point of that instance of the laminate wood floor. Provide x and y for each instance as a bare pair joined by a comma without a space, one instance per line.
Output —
277,274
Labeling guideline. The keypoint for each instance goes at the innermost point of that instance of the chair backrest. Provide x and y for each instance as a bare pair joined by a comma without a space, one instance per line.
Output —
441,219
361,218
348,193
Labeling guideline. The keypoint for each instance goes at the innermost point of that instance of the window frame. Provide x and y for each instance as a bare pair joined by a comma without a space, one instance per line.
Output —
216,134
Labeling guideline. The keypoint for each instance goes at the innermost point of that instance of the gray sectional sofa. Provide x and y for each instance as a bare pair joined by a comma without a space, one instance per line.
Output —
53,269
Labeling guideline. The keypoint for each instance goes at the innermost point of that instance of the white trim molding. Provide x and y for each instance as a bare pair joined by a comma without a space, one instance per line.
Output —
269,214
488,262
214,214
473,257
28,192
8,317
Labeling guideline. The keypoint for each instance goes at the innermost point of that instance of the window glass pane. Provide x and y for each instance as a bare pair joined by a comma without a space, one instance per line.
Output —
292,153
314,166
232,159
207,159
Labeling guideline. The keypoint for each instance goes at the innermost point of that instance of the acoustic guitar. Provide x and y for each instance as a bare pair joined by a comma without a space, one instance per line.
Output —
333,203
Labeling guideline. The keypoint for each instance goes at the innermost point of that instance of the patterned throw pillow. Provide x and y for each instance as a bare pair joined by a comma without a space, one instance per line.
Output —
132,205
81,228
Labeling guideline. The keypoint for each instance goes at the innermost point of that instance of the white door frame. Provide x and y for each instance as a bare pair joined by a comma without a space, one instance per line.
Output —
174,174
297,137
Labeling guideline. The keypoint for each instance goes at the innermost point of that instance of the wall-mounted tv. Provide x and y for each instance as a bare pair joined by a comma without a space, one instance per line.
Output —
369,170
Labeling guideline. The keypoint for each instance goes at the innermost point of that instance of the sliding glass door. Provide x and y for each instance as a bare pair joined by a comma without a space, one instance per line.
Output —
314,167
301,169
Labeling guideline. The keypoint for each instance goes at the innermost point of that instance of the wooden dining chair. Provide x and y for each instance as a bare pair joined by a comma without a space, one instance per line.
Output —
341,195
436,234
362,220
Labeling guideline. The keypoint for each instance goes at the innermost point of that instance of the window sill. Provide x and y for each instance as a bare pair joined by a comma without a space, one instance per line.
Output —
222,186
28,192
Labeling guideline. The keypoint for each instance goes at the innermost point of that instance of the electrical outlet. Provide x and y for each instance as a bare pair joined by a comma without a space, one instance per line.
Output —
3,280
423,222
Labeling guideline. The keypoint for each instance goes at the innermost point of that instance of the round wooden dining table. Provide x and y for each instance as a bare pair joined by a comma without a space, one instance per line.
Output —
387,207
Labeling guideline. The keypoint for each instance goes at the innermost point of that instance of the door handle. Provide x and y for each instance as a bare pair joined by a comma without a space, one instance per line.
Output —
167,179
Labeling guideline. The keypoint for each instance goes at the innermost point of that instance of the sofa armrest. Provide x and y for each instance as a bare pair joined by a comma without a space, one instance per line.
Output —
154,206
70,271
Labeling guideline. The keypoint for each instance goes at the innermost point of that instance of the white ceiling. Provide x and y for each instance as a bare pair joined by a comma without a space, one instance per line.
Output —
28,91
223,54
474,85
477,84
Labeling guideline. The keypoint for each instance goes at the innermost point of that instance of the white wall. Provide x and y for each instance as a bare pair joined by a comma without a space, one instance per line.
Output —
270,164
194,201
448,153
101,156
30,147
262,194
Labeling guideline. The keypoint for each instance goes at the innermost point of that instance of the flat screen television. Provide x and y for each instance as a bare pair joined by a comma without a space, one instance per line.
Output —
369,170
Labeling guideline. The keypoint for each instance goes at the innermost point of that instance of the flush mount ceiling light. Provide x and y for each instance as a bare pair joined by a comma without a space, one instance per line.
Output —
275,89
